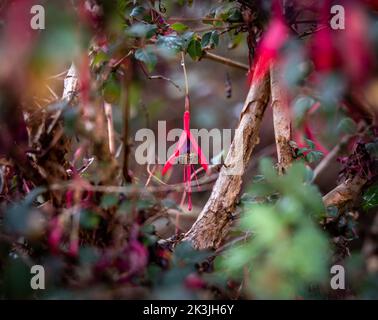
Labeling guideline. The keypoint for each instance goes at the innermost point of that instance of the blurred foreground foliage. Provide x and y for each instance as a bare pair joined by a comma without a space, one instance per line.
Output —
284,250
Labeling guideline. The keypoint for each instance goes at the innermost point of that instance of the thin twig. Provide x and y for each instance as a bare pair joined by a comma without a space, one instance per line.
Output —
185,74
281,120
69,91
125,101
58,76
133,190
226,61
109,120
151,175
52,92
158,77
194,19
115,65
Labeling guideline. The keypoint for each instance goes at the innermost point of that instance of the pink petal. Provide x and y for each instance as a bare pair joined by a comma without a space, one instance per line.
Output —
197,149
267,52
323,50
176,153
189,185
310,135
186,121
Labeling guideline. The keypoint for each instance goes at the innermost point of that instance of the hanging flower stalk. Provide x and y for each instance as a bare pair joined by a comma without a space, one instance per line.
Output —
183,149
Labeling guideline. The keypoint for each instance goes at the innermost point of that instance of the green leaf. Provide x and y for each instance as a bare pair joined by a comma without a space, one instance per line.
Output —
332,211
234,15
314,156
186,38
195,49
70,121
137,11
99,58
170,44
185,253
179,27
235,40
89,219
370,197
310,144
214,38
109,200
372,148
147,56
112,89
210,39
141,30
206,39
346,125
301,106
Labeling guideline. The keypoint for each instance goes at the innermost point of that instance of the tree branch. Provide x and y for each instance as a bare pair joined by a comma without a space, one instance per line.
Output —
281,121
215,220
344,192
69,91
226,61
109,120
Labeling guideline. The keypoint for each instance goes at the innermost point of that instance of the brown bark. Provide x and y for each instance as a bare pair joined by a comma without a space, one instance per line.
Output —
109,120
226,61
281,121
126,119
216,217
344,192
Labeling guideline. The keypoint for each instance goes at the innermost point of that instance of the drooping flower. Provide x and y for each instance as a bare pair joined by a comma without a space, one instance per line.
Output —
271,42
55,235
184,145
344,49
73,249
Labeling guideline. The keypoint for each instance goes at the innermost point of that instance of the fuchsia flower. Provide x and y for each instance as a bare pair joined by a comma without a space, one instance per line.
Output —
272,41
55,235
268,50
183,147
347,50
73,249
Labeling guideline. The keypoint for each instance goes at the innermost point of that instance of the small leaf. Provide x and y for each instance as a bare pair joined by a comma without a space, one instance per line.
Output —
173,44
236,40
258,178
370,197
206,39
186,38
210,39
179,27
112,89
346,125
314,156
108,200
137,11
141,30
301,106
70,121
214,38
332,212
372,149
148,57
234,15
89,219
99,58
310,144
195,49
